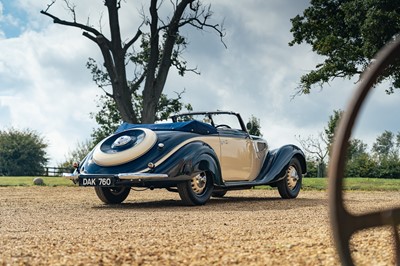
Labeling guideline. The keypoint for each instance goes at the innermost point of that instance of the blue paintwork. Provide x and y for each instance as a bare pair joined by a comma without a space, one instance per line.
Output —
277,161
168,138
194,157
192,126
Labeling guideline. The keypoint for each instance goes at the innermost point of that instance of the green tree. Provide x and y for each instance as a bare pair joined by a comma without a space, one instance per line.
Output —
386,154
333,122
361,166
78,154
22,152
388,167
356,149
359,161
160,48
348,34
312,169
254,126
108,118
385,145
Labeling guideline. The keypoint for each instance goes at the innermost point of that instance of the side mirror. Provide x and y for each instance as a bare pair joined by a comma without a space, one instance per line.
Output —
248,126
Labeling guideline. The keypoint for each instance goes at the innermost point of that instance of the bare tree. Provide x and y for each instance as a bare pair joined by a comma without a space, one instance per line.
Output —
317,148
159,55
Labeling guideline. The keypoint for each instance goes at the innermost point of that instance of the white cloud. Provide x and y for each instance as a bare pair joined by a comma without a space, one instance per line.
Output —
45,86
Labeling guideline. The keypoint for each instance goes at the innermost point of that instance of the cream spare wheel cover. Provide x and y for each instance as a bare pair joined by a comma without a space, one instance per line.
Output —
124,147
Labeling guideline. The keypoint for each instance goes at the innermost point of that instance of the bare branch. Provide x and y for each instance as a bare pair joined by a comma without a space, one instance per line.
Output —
92,38
199,20
136,84
193,70
202,24
71,8
100,20
313,146
106,92
49,5
194,8
133,40
73,24
173,5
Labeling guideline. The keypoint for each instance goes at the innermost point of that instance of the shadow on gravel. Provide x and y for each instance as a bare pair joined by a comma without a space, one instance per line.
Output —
220,204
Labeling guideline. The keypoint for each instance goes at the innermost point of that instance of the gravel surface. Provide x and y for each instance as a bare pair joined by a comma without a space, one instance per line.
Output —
70,226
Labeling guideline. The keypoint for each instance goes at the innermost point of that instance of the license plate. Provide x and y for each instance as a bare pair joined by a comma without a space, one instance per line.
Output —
96,181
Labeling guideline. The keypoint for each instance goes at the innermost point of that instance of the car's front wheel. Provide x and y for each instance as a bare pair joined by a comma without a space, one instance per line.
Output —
112,195
196,191
289,186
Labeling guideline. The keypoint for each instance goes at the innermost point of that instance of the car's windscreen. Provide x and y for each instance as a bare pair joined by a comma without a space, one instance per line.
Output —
223,121
220,121
205,118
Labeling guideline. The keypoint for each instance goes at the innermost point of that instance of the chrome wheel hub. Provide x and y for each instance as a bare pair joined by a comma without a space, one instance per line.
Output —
117,190
121,141
292,177
199,183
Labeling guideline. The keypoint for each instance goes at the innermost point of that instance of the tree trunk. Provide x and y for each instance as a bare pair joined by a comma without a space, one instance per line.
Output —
116,65
157,68
154,84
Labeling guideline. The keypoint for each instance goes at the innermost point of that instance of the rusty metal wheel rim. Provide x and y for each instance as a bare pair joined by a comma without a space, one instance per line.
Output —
343,223
199,183
292,177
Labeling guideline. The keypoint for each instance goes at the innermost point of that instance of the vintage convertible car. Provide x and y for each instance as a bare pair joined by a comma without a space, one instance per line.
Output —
199,155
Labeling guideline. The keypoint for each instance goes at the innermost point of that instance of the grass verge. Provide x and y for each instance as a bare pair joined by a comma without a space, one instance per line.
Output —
13,181
358,183
355,183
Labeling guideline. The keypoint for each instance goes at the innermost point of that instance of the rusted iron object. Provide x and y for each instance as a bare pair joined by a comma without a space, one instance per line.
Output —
343,223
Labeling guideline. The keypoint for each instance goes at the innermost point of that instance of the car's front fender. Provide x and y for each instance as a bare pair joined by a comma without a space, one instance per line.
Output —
277,162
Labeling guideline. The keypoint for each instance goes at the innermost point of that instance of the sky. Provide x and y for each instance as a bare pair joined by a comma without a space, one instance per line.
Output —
45,86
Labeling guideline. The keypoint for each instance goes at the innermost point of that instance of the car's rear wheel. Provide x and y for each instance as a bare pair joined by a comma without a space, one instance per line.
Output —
112,195
289,187
196,191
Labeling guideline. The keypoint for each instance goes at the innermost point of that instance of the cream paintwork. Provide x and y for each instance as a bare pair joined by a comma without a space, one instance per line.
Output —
239,158
212,141
106,159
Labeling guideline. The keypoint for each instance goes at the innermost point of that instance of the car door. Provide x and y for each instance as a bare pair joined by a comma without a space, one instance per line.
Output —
238,156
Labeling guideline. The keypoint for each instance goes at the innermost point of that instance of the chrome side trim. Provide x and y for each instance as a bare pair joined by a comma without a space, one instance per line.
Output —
176,148
122,176
136,176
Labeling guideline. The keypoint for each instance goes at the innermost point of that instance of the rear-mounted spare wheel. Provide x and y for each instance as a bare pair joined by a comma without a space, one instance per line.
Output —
124,147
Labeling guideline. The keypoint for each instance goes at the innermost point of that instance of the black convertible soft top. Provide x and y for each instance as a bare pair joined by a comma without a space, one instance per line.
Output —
193,126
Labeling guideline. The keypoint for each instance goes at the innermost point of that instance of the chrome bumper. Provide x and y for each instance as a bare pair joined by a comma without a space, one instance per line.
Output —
135,177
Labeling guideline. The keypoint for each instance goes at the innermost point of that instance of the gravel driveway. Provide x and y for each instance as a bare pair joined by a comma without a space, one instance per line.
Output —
70,226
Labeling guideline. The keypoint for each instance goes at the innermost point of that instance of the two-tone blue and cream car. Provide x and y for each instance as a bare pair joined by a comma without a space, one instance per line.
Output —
198,155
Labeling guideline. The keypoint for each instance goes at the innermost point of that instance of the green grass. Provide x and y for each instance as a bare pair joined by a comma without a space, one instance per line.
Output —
366,184
356,183
10,181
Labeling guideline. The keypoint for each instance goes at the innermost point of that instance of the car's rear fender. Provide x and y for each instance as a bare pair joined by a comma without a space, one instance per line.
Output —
191,159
